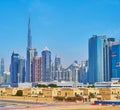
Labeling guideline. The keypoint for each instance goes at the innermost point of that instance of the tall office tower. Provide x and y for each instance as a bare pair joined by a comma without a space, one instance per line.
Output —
68,75
14,67
36,76
74,68
46,65
2,66
52,71
83,72
31,53
58,68
21,70
116,60
96,59
63,74
108,59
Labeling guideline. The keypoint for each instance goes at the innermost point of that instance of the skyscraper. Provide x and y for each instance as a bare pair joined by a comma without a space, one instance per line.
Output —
74,71
21,70
29,35
96,59
14,67
17,68
58,68
46,65
83,72
68,75
36,76
108,59
116,60
2,70
2,67
31,53
52,71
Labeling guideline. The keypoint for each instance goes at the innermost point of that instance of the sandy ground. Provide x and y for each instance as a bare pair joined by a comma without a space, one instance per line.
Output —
62,106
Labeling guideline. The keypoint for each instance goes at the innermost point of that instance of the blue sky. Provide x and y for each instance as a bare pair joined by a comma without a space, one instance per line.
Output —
63,25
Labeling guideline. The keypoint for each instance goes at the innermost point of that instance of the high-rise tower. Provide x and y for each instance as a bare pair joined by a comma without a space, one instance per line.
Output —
46,65
96,59
29,35
1,70
108,58
31,53
14,67
58,68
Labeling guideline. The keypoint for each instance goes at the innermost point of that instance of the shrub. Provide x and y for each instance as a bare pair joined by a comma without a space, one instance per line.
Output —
19,93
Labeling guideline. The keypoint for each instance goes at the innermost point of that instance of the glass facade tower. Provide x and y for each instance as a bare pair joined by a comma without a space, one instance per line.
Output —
46,65
31,53
96,59
116,60
108,59
14,67
58,68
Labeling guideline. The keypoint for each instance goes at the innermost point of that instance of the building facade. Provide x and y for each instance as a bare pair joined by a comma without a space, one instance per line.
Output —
116,60
58,68
2,67
96,59
31,53
14,67
108,59
21,75
46,65
36,69
83,72
74,71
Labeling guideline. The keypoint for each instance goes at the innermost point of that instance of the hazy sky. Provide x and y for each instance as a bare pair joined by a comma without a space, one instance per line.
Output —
63,25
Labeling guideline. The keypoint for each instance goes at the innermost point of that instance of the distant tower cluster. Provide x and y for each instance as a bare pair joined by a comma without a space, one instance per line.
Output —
103,64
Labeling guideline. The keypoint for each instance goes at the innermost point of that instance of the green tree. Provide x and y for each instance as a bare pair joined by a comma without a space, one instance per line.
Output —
92,86
52,85
91,95
41,85
19,93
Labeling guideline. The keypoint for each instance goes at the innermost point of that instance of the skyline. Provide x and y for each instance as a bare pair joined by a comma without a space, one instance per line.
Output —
63,26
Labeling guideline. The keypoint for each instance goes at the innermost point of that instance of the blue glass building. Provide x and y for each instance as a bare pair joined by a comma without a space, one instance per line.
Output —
2,67
58,68
31,53
108,59
21,75
17,68
116,60
74,69
83,72
14,67
96,59
46,65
